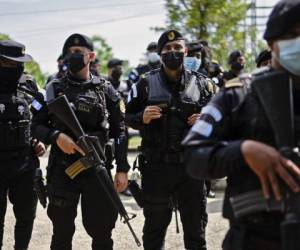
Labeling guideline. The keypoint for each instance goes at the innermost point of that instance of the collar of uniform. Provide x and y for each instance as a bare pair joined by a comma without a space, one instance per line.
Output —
75,81
115,84
171,84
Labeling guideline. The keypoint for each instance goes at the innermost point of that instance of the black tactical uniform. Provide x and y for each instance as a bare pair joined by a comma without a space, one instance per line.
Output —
18,162
234,115
97,106
164,180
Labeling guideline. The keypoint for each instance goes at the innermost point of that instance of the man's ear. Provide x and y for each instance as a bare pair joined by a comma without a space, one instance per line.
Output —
271,43
92,56
185,51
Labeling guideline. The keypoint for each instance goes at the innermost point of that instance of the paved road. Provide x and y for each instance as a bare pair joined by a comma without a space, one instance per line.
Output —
122,238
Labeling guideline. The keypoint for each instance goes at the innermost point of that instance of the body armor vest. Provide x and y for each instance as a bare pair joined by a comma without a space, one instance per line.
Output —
14,125
165,134
88,102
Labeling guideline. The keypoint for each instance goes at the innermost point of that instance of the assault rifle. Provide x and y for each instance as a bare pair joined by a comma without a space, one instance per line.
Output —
94,156
275,93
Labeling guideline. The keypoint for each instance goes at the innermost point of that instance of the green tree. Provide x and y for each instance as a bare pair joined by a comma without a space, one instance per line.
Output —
104,54
103,51
32,68
217,21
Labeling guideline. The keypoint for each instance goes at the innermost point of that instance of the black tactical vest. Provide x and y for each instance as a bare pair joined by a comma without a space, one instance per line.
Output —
87,100
14,125
165,134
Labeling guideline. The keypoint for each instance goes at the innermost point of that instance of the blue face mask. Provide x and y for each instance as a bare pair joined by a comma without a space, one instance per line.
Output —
192,63
289,55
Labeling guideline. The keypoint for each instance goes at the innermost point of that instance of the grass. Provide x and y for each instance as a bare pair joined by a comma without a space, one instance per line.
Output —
134,142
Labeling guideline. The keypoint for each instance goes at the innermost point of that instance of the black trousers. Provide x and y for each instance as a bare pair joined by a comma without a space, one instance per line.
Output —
162,183
98,214
19,189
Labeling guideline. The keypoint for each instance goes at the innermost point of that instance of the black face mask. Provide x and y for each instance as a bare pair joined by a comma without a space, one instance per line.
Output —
172,60
9,78
237,66
75,62
116,74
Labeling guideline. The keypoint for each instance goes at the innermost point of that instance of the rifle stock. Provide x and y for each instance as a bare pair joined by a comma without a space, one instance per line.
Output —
61,108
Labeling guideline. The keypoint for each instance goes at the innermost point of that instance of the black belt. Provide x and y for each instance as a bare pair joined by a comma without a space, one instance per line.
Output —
168,158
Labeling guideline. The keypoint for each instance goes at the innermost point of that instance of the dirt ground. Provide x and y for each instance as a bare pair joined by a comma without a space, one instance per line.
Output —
123,240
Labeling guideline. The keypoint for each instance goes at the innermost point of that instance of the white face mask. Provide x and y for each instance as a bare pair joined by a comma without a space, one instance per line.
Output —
289,55
153,57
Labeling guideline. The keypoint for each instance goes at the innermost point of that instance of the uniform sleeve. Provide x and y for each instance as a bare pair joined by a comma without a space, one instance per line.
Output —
136,104
209,141
40,126
116,109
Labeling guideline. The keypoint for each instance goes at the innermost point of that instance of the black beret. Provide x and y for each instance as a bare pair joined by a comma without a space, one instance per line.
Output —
114,62
234,55
77,40
284,16
152,46
14,51
263,56
168,36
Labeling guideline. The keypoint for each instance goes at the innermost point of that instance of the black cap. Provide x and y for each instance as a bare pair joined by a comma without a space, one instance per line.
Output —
168,36
14,51
263,56
234,55
152,46
204,43
284,16
194,46
77,40
114,62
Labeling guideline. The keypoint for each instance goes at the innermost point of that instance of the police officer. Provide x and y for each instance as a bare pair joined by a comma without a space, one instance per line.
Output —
163,105
18,150
152,62
115,71
233,137
236,62
62,69
97,106
95,67
264,59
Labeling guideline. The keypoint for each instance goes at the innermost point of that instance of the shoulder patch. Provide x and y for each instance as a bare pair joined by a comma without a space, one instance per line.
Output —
210,86
122,106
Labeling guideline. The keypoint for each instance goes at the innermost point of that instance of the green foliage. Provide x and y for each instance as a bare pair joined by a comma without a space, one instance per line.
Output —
3,37
104,54
32,68
103,51
217,21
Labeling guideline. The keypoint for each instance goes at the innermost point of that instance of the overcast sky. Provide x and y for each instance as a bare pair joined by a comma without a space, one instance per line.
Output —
43,25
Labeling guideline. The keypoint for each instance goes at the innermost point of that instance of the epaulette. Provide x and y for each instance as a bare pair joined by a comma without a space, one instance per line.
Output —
99,81
152,71
261,71
233,83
